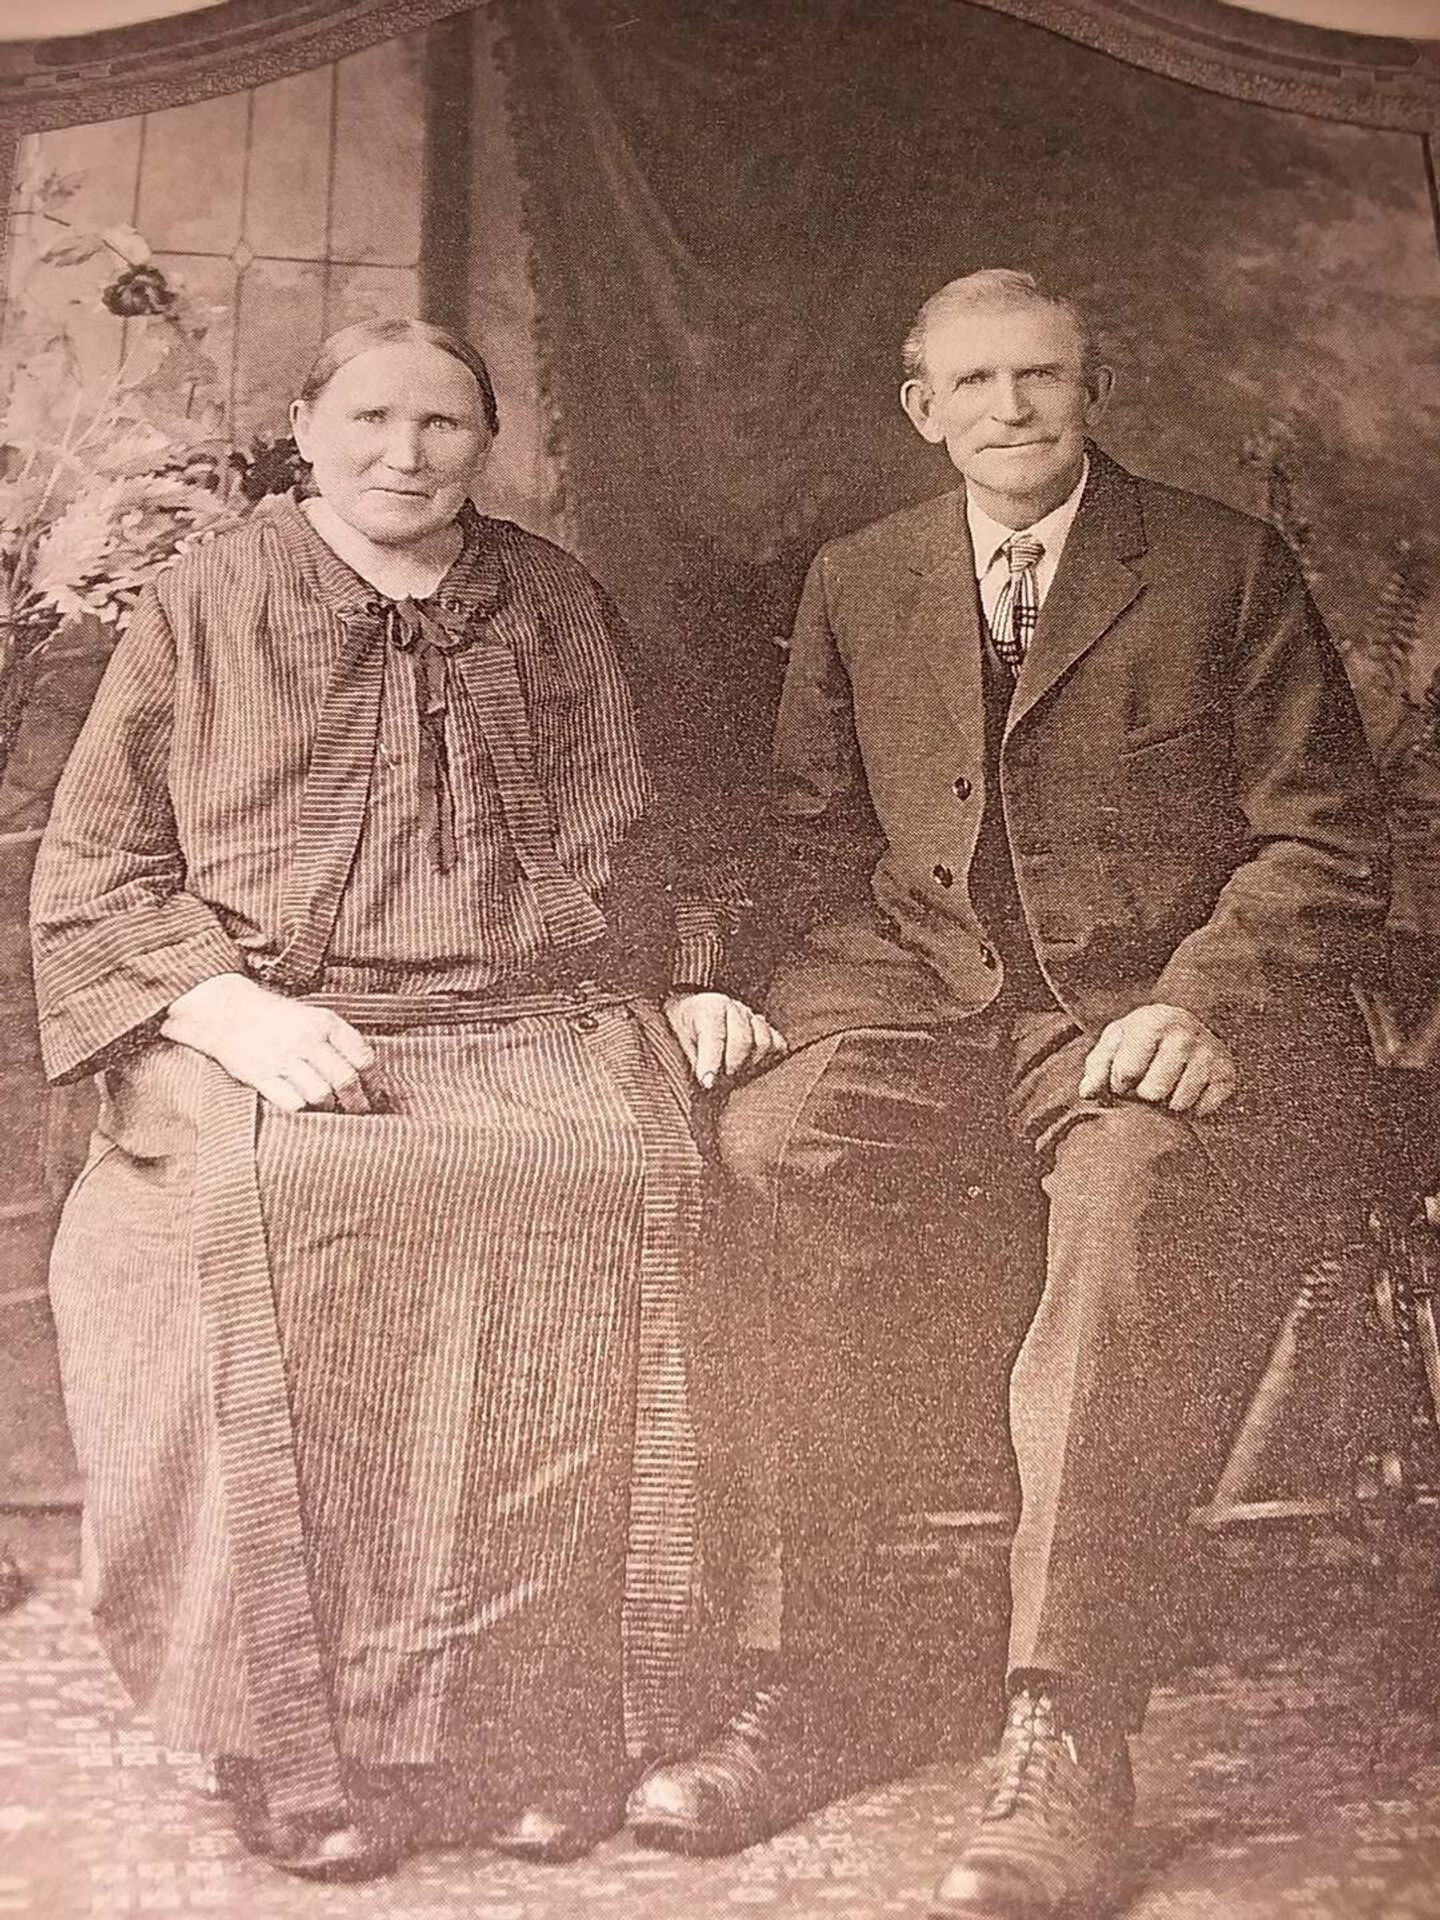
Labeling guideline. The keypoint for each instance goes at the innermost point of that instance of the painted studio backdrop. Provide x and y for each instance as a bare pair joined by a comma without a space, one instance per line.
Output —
689,237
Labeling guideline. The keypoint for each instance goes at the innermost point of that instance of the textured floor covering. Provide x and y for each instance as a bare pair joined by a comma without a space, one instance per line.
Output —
1301,1778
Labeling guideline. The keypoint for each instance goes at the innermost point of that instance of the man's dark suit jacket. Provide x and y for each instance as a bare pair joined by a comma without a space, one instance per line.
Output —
1190,805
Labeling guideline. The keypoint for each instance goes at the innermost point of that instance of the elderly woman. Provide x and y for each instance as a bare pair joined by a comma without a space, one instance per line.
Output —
369,1294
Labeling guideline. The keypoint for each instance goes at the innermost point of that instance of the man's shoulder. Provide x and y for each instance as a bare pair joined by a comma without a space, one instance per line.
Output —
1184,516
1173,518
897,538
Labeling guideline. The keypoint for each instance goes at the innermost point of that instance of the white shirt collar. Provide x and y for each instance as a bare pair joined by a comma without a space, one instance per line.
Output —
988,536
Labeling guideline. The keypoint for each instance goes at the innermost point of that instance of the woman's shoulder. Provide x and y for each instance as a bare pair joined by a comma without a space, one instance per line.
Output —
532,556
221,563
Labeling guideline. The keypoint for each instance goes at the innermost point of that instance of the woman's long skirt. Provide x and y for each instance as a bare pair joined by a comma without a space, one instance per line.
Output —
382,1416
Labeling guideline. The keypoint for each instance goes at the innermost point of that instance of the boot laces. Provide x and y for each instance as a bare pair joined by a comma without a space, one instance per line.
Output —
755,1722
1038,1768
732,1765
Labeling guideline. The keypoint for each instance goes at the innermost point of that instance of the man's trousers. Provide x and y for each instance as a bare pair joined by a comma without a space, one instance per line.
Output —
1168,1253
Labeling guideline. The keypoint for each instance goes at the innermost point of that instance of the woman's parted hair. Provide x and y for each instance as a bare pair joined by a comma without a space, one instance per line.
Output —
350,342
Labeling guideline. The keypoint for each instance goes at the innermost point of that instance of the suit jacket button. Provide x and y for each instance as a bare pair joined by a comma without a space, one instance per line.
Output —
961,787
989,956
944,877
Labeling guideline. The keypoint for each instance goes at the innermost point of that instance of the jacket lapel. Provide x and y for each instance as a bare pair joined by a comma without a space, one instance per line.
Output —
942,620
1093,584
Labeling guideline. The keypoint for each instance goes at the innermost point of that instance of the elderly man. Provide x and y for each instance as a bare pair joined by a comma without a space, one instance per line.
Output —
1081,832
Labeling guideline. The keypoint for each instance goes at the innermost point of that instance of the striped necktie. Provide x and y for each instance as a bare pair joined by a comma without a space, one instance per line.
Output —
1012,625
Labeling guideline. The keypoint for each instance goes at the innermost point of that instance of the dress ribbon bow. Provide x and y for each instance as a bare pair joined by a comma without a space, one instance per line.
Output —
432,635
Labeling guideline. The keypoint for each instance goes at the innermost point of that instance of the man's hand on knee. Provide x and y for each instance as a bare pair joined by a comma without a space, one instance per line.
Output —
1163,1055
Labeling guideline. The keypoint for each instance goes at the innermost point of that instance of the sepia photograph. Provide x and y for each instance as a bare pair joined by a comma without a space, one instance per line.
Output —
720,959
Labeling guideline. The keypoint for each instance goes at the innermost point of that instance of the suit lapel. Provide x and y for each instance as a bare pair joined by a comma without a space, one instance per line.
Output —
942,620
1093,584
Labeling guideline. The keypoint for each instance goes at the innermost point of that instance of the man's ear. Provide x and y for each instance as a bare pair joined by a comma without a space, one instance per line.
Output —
1099,388
297,426
918,400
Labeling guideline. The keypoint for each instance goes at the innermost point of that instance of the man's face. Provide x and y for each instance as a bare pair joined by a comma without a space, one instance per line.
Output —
395,440
1006,391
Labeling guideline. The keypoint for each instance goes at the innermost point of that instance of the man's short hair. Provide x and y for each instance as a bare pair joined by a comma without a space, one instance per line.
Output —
993,287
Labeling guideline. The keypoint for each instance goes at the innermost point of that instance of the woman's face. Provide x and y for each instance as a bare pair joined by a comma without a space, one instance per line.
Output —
395,440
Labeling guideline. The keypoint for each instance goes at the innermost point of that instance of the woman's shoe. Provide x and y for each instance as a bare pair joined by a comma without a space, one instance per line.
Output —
331,1850
310,1850
566,1829
777,1760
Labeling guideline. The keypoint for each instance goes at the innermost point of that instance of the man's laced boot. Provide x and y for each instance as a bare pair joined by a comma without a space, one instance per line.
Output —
1051,1839
781,1757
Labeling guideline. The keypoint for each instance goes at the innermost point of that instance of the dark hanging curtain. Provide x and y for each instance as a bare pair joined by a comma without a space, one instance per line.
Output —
709,190
734,210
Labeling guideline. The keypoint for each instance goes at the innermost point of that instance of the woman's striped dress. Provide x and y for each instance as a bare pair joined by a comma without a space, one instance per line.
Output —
382,1416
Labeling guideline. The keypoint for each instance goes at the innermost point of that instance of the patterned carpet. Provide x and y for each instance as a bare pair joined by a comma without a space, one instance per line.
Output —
1301,1778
